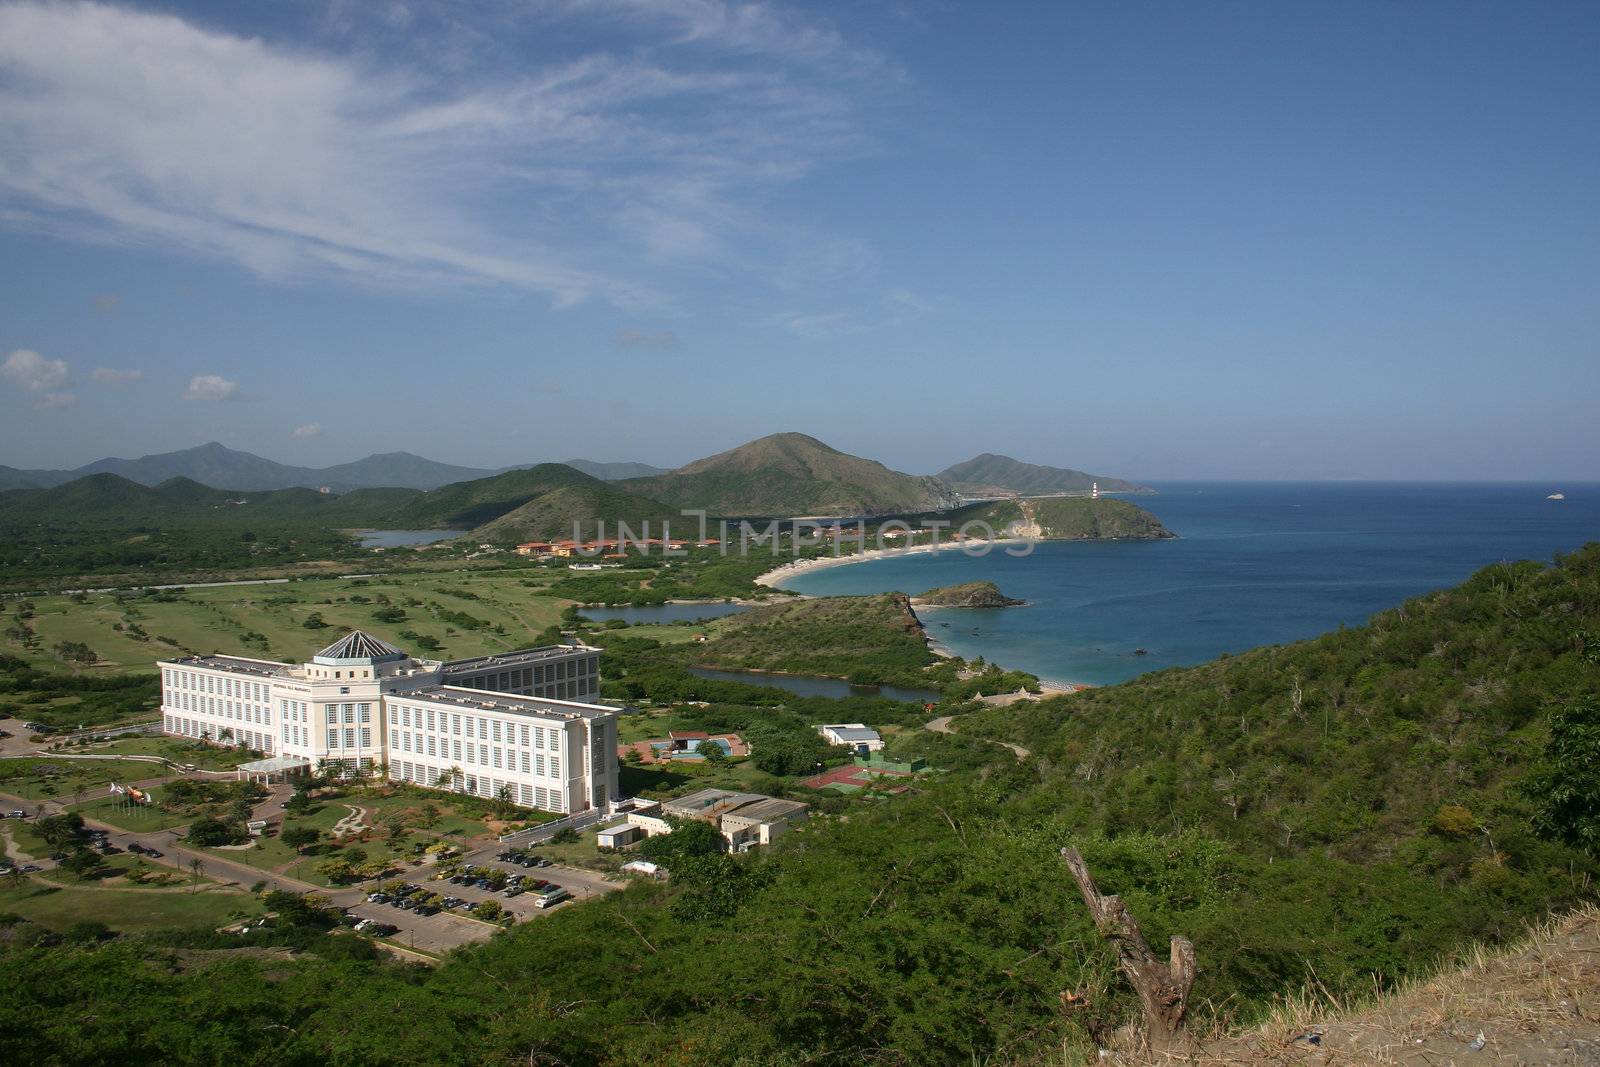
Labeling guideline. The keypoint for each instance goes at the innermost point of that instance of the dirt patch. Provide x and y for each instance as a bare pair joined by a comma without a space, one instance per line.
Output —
1538,1002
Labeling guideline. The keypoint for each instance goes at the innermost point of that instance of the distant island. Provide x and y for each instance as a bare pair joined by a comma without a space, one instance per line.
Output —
966,595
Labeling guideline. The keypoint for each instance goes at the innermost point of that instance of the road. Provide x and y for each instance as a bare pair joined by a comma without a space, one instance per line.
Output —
941,725
436,934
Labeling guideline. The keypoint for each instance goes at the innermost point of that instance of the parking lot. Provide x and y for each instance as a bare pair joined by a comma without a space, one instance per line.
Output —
580,883
431,933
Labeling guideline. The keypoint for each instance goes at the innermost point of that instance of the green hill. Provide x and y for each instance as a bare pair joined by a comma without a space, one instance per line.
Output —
1063,518
1337,814
559,512
790,474
989,472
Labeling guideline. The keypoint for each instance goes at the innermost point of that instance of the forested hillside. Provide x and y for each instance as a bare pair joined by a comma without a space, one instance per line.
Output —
1345,810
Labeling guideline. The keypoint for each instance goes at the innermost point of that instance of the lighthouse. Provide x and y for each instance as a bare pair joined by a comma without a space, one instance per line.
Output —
1094,490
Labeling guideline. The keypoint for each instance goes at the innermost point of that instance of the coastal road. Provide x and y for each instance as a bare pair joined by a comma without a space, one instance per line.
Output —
941,725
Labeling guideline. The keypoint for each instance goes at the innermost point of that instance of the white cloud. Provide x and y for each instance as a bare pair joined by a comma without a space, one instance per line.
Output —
113,376
33,372
211,387
904,300
642,339
57,400
380,160
310,429
819,325
107,303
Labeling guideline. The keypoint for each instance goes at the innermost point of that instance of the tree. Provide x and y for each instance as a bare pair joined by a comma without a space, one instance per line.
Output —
81,864
488,910
430,814
211,831
314,621
396,829
59,831
712,751
355,855
195,868
689,837
1565,784
299,836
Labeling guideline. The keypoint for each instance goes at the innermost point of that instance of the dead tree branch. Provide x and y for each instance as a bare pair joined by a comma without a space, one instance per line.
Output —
1163,987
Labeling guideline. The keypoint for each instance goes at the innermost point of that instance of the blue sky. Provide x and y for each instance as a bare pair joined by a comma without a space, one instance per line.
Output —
1154,240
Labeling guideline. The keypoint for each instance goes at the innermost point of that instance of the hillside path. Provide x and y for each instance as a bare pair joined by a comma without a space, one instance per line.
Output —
941,725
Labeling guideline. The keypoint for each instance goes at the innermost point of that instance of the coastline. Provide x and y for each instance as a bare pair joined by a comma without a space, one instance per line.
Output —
775,578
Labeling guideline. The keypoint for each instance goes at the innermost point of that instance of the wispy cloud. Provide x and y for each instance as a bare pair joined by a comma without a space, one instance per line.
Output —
57,400
582,175
819,325
309,430
31,371
107,303
643,339
211,387
114,376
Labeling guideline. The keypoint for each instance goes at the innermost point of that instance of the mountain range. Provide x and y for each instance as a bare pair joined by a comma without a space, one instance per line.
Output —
779,476
221,467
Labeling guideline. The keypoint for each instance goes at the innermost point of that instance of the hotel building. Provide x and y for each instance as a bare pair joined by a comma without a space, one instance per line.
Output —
518,724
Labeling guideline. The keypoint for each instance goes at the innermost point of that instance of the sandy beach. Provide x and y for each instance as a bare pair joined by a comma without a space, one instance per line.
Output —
775,578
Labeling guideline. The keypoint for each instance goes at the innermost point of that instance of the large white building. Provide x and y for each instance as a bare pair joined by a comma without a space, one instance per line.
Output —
522,722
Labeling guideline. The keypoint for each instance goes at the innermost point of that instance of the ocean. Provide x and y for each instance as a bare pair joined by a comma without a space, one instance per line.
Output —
1254,564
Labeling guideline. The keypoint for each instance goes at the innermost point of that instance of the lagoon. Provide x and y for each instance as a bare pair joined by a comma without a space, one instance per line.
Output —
811,686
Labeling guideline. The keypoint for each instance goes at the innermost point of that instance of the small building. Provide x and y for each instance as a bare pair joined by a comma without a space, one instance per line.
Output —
761,823
858,737
619,835
644,867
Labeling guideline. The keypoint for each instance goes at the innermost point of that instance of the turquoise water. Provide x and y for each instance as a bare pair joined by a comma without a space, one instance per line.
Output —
1255,563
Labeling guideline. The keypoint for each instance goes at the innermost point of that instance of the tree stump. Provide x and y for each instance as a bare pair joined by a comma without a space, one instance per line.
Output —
1163,987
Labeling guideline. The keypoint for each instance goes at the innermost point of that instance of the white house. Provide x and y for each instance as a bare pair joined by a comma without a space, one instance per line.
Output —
515,724
860,737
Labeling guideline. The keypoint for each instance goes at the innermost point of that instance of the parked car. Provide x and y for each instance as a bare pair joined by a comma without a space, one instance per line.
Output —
16,813
136,848
153,853
382,930
31,868
427,909
550,900
515,891
377,898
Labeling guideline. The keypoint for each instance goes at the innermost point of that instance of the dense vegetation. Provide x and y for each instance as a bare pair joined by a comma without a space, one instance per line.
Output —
1345,809
63,701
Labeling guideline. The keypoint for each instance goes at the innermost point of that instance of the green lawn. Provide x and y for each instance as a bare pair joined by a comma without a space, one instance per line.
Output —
207,757
58,779
117,811
128,910
218,619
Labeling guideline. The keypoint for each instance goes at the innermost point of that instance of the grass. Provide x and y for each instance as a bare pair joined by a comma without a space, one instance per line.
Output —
206,757
127,910
20,777
218,619
116,811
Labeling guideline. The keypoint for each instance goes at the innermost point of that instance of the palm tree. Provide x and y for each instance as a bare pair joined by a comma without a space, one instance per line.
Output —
195,867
